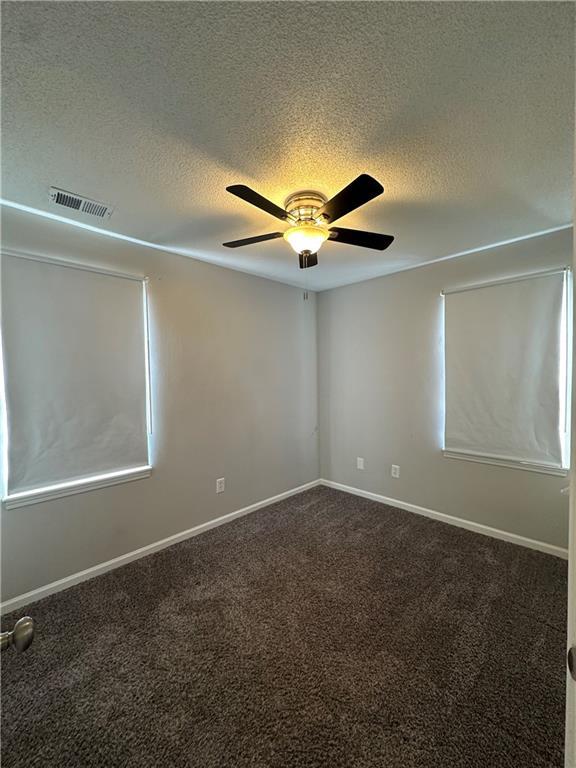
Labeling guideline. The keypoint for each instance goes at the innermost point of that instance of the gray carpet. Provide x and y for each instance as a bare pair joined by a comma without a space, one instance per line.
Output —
326,630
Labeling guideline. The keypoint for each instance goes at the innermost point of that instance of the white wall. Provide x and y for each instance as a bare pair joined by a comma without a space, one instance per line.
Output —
234,394
235,365
380,395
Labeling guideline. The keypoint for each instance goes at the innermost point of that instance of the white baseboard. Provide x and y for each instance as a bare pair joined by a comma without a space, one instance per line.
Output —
486,530
76,578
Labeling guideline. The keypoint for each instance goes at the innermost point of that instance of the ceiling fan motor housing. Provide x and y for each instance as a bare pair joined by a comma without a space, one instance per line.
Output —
302,206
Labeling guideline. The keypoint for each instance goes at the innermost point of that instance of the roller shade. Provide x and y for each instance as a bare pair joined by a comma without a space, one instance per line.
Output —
75,370
505,370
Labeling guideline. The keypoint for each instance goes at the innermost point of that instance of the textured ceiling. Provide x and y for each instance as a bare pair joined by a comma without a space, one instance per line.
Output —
464,111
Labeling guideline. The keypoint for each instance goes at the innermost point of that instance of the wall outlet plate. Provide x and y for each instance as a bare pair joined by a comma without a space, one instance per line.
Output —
220,485
359,462
395,470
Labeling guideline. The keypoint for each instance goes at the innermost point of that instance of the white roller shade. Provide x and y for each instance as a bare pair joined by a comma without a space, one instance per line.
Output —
504,356
75,367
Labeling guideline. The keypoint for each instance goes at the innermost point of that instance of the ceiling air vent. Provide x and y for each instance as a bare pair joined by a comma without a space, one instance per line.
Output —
79,203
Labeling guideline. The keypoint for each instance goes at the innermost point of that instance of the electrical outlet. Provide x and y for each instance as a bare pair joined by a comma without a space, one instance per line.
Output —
395,470
359,462
220,485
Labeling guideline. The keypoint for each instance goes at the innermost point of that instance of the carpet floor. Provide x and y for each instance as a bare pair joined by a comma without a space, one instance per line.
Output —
325,630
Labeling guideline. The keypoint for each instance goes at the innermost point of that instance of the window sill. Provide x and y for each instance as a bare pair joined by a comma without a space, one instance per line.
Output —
509,463
24,498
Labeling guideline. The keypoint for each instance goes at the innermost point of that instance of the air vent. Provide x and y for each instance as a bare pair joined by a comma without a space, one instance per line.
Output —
79,203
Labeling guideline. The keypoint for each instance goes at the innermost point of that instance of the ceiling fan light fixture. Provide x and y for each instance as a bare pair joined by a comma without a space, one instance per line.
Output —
306,237
311,216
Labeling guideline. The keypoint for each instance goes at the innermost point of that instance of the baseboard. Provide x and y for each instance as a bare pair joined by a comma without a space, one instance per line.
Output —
76,578
486,530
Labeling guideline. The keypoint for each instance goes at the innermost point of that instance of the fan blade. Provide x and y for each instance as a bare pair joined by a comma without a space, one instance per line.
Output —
358,192
358,237
308,259
249,196
250,240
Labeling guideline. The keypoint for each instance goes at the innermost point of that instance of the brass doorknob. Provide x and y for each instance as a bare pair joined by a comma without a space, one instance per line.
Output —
21,636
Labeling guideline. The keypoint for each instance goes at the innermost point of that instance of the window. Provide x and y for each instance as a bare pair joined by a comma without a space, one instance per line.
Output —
75,364
507,372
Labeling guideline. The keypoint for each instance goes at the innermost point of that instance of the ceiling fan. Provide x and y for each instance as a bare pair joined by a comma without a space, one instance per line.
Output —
310,214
